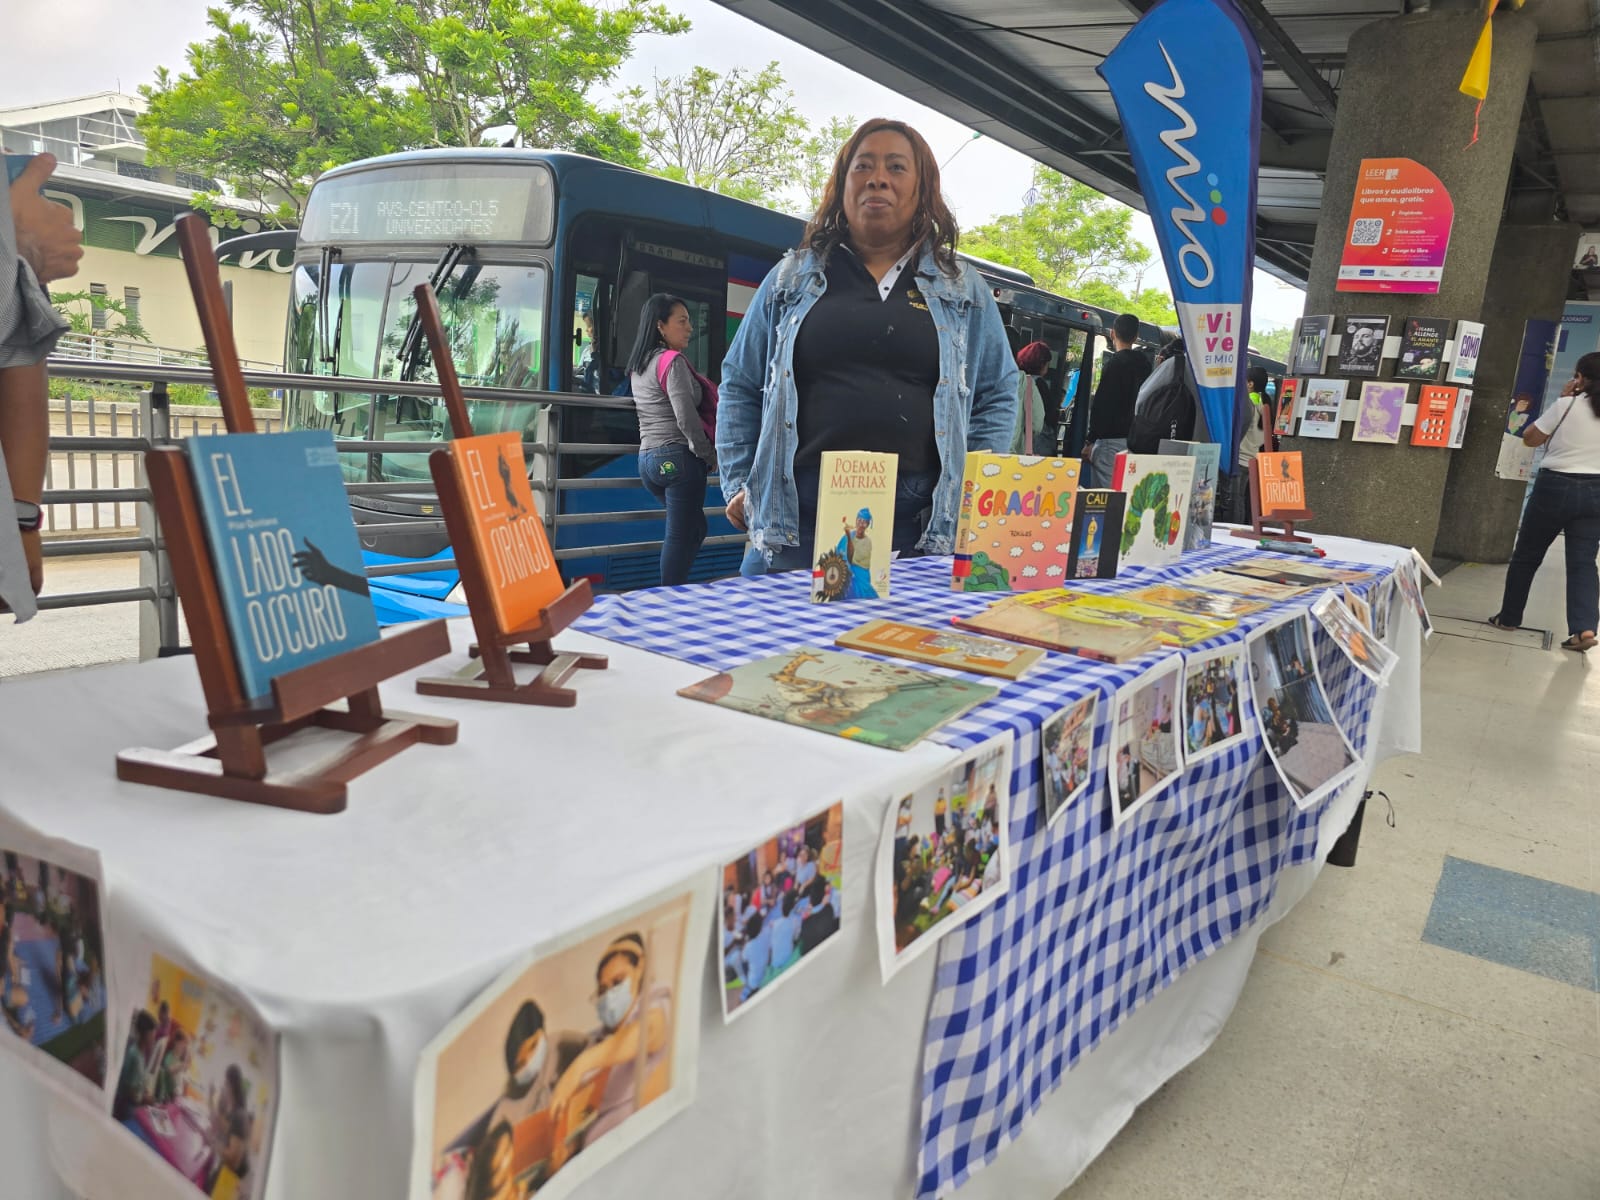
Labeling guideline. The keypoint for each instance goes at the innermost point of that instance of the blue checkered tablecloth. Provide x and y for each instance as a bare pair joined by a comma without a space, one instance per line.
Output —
1096,920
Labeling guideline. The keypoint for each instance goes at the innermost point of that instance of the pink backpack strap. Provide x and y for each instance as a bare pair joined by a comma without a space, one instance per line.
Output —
663,365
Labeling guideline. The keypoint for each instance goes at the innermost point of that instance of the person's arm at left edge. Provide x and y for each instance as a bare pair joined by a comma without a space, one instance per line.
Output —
991,370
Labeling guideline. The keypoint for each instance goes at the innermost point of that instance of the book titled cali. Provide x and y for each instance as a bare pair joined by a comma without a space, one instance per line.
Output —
1016,510
855,526
284,549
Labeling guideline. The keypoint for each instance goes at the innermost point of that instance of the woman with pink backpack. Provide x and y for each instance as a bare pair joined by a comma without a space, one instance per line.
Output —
677,422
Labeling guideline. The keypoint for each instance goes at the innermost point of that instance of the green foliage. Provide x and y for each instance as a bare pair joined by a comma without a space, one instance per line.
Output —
285,89
82,318
1076,242
197,395
816,160
738,134
1272,343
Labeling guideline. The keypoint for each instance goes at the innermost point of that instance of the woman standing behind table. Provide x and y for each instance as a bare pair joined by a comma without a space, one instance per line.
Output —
871,336
675,455
1565,499
1037,413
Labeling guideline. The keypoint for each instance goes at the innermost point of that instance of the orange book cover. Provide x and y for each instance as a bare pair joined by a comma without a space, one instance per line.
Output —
518,567
1436,407
1283,482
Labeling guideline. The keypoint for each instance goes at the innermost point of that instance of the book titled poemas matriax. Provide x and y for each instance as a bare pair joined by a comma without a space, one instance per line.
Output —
284,550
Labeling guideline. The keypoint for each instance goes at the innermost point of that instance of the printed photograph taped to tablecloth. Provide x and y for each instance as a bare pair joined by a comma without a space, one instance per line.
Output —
53,969
197,1082
928,882
1066,754
1359,608
1302,736
1213,702
1146,742
571,1057
1407,580
782,902
1382,609
1373,659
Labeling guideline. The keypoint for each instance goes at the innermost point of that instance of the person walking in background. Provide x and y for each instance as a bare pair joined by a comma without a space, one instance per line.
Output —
1037,411
1565,500
38,244
872,335
675,454
1111,412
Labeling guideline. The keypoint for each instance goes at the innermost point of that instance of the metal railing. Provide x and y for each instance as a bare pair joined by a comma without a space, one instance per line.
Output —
116,479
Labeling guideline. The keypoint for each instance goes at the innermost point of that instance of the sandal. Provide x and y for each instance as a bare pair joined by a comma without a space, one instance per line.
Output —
1499,624
1581,642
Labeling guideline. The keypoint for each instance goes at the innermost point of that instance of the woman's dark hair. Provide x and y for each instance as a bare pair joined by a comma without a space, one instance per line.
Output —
1588,370
480,1179
656,309
528,1021
932,223
630,946
752,926
789,899
143,1023
1257,378
1034,357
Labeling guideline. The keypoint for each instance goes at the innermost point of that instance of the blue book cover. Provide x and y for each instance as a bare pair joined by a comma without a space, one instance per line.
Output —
287,559
1203,499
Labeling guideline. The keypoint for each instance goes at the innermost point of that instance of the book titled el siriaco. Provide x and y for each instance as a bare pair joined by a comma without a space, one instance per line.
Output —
943,647
1283,482
855,526
507,532
1016,513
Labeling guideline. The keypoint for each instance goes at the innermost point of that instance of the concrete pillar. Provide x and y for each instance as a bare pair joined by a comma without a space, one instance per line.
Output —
1399,99
1528,278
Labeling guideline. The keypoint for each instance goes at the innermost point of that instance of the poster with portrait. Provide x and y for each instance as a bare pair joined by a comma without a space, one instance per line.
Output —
1302,735
197,1077
1146,741
1214,712
1066,755
1361,345
934,875
54,990
576,1053
782,902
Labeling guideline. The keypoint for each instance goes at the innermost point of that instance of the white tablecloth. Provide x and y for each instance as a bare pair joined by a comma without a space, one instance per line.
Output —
360,935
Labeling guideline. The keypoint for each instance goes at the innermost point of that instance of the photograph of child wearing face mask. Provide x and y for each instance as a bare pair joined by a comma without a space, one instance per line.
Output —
566,1062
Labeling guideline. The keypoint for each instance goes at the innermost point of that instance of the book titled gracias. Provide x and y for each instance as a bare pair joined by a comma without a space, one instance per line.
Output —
284,550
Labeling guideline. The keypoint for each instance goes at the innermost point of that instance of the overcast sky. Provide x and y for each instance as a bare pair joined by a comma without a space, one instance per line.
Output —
41,62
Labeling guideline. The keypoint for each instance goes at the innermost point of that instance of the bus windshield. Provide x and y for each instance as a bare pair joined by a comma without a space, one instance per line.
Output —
493,316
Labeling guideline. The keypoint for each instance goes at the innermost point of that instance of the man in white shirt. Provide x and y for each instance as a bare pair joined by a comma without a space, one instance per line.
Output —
38,244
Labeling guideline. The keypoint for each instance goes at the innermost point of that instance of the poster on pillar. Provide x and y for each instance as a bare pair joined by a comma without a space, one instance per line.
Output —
1187,84
1399,229
1577,335
1534,361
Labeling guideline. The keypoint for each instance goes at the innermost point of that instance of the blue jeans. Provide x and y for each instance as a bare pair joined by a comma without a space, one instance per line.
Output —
676,476
913,503
1560,503
1103,462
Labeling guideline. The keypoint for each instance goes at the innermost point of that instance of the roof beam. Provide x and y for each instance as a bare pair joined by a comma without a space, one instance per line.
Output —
1279,47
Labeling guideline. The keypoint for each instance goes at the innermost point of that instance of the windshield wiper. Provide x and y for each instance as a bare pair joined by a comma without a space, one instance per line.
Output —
411,344
326,351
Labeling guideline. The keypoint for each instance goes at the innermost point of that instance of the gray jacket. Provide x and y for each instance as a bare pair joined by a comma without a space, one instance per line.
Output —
671,416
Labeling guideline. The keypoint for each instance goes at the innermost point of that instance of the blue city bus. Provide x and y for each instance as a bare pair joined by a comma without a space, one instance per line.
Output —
542,262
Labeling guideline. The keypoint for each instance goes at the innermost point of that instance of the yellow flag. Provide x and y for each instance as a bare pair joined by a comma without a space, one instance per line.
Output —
1475,82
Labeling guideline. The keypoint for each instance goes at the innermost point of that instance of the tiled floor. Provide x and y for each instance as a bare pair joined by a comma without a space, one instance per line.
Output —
1426,1024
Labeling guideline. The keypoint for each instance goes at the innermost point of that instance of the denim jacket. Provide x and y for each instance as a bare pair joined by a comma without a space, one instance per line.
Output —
974,404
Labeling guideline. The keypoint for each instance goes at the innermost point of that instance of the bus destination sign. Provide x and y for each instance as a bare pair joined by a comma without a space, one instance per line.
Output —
492,203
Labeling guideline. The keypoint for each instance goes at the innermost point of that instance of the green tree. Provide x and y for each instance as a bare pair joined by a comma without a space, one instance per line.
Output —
1076,242
283,90
817,154
1272,343
79,309
738,134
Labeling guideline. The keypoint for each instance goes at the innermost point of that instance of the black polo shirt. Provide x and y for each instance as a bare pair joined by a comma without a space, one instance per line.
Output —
865,369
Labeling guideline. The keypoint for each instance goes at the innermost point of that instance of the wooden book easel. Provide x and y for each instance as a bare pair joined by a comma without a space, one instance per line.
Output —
491,676
337,693
1284,521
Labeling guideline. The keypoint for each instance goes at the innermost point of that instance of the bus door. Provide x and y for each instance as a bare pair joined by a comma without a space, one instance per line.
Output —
1082,373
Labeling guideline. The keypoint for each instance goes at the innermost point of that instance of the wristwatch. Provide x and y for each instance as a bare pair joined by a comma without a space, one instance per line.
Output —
28,516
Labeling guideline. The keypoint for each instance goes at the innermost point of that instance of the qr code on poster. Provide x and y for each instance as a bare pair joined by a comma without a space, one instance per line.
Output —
1368,231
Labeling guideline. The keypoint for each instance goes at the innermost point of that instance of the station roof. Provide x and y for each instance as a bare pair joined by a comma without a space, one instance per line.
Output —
1022,72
